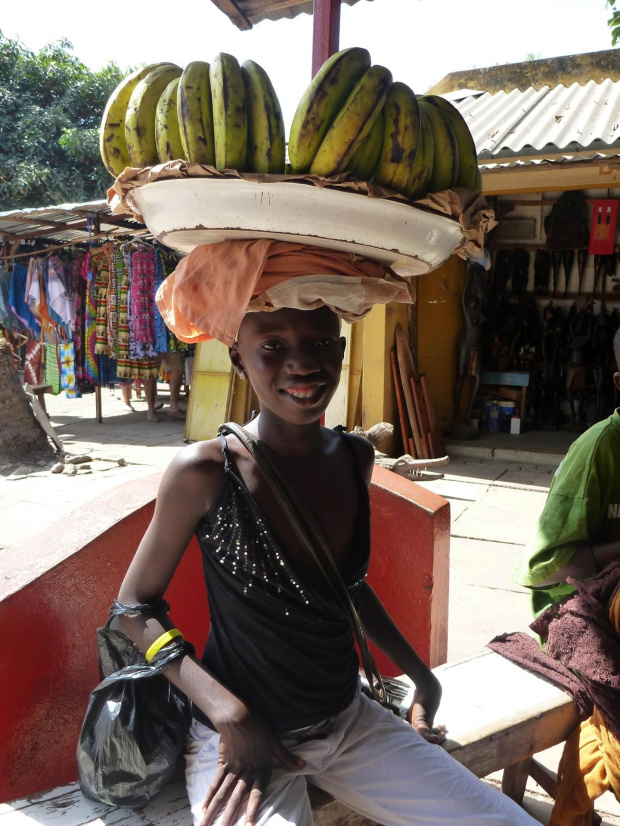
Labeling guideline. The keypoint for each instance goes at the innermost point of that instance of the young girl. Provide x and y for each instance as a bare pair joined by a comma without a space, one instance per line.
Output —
276,694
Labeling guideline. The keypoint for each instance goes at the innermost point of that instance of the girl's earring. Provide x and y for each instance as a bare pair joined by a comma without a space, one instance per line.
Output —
242,375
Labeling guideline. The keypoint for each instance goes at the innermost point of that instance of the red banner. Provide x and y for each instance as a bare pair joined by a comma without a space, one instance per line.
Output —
603,229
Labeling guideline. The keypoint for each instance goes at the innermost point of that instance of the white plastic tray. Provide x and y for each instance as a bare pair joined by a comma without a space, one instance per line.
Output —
186,212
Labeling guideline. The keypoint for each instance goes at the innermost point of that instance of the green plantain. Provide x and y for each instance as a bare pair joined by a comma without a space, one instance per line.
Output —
140,118
446,153
230,123
321,102
417,186
167,136
468,158
195,113
365,158
112,142
400,138
266,146
353,122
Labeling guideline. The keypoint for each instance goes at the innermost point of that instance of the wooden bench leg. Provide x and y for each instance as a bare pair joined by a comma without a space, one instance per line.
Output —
515,778
545,778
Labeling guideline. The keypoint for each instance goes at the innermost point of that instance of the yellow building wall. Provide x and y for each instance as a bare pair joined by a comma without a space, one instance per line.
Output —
439,326
378,400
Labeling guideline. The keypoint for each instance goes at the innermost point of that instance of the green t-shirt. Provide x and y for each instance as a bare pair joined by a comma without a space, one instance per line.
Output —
583,505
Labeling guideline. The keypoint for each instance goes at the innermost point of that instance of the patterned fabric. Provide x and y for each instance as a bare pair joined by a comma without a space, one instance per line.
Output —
8,318
60,299
121,265
91,369
51,370
17,299
79,281
33,365
161,331
107,370
141,304
100,260
66,352
112,303
128,368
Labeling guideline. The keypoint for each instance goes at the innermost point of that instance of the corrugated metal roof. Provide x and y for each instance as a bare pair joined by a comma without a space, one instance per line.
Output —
245,13
547,123
65,223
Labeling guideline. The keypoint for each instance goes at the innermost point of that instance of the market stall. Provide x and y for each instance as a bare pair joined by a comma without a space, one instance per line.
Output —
547,310
77,293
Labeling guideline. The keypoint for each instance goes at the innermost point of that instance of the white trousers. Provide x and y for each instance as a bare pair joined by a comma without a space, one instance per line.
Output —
373,762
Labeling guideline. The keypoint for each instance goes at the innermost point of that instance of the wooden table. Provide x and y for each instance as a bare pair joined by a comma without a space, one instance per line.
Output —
508,379
498,716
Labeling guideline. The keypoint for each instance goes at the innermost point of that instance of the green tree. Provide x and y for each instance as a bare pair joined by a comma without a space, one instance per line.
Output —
614,22
50,109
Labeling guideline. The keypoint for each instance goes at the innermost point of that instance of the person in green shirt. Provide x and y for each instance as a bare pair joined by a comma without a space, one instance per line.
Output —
578,531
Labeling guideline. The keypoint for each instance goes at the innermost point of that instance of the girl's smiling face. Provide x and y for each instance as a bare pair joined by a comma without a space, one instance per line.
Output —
293,359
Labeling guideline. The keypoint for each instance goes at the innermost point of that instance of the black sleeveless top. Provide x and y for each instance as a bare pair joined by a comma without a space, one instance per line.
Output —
285,649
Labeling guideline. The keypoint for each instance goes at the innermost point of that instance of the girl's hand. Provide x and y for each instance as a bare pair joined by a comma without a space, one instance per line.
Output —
246,753
422,713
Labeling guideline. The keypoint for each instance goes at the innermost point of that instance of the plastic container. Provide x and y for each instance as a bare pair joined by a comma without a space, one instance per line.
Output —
494,423
507,411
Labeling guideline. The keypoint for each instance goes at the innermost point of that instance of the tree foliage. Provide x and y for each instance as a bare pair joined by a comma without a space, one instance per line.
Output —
50,110
614,22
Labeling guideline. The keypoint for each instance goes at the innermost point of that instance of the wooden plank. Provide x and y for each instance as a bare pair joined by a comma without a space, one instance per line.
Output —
515,778
98,413
406,369
511,379
545,778
553,177
38,797
234,13
436,439
498,714
421,416
400,402
71,808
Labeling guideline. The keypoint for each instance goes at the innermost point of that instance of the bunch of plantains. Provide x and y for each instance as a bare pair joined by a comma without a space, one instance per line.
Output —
351,118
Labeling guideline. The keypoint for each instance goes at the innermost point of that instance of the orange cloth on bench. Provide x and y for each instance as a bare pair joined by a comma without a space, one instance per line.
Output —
211,289
590,764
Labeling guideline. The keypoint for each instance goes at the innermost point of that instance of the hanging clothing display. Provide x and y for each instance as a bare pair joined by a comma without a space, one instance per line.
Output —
91,315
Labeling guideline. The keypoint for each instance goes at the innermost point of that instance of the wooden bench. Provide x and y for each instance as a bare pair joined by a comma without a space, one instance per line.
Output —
498,716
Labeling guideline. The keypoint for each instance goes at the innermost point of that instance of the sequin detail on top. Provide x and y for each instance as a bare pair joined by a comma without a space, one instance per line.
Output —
254,555
285,647
255,558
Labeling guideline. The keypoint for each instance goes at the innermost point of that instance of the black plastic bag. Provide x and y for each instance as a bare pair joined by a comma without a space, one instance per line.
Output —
136,722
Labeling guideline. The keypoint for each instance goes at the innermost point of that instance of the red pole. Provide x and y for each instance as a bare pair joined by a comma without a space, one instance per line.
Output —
325,39
326,31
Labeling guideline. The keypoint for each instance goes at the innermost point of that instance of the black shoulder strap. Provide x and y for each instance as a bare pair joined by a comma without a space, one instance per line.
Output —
312,540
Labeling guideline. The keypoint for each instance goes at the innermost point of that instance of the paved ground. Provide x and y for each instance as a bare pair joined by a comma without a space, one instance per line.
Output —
495,503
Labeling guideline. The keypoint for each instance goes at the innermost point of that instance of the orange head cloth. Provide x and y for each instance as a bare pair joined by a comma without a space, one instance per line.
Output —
208,293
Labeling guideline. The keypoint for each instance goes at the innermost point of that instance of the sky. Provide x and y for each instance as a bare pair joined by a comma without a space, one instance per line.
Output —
420,41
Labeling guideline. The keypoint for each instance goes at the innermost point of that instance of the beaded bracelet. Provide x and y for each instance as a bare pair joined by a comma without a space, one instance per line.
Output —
159,643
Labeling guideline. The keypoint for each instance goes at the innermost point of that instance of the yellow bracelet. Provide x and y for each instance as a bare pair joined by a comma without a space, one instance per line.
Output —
159,643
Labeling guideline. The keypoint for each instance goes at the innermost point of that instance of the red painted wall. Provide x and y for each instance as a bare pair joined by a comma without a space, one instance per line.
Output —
58,587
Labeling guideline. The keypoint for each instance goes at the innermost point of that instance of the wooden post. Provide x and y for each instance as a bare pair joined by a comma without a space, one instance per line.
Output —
326,31
98,414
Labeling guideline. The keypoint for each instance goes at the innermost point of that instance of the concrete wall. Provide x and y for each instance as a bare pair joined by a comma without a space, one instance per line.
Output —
55,590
